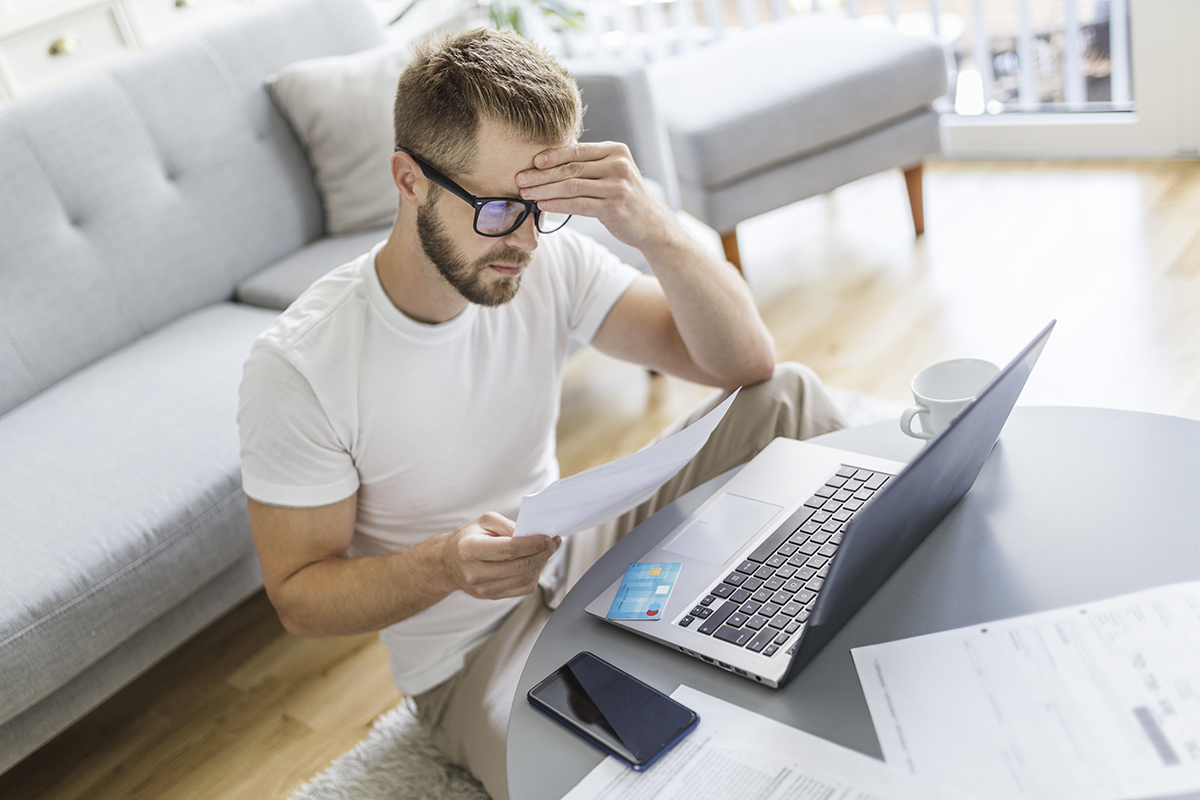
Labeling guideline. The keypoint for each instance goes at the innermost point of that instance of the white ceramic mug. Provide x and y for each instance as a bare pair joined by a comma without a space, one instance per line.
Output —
941,391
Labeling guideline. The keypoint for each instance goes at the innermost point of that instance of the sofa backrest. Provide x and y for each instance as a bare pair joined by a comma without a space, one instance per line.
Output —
132,197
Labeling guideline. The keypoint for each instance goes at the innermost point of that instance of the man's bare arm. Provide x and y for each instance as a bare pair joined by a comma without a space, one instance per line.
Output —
696,318
318,591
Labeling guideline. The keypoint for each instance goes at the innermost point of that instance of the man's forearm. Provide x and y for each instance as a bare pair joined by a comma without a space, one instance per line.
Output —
708,328
713,310
344,596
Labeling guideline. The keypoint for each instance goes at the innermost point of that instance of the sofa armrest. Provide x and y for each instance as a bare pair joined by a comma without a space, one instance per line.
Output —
620,108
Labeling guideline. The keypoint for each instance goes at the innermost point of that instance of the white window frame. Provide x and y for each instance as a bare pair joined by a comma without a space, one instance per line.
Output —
1166,95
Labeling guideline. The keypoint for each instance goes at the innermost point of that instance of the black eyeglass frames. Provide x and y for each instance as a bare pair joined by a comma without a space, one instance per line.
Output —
494,216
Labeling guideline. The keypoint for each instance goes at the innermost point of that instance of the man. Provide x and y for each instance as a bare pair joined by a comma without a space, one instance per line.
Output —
395,415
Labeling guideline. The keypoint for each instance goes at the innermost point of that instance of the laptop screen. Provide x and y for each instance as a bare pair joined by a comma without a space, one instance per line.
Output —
910,505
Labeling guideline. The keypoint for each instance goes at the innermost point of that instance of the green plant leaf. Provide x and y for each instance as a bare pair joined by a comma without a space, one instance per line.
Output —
404,11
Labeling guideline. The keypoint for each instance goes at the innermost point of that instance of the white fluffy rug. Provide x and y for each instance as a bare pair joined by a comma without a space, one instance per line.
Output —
397,760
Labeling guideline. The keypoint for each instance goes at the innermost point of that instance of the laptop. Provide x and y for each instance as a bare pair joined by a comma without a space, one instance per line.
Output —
792,546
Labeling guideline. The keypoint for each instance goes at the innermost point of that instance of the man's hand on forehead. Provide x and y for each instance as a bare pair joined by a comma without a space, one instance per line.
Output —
595,179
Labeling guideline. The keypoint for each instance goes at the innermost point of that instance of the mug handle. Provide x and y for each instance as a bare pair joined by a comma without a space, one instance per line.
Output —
906,420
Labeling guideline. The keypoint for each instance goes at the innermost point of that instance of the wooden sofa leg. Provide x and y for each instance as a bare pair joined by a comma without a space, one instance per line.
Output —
730,245
912,179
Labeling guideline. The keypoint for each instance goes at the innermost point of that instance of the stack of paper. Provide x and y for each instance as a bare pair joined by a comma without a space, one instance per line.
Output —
1099,701
734,753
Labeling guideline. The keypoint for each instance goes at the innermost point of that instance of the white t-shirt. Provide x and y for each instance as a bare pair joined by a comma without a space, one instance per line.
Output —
432,425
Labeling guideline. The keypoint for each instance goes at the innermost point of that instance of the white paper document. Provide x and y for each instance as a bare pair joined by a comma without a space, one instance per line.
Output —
598,494
735,754
1094,701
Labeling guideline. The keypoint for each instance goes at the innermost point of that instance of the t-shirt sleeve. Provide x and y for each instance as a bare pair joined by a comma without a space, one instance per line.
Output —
595,279
291,454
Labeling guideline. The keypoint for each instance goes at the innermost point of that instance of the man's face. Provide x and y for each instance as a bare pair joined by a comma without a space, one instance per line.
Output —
479,281
484,270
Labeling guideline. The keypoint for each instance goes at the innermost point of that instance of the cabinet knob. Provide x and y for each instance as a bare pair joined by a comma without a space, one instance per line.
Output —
182,3
64,45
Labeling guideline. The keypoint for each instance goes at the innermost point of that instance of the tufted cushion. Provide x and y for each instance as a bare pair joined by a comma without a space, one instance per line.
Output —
132,197
777,92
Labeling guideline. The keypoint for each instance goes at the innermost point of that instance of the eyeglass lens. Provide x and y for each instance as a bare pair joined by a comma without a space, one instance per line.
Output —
550,221
501,216
498,216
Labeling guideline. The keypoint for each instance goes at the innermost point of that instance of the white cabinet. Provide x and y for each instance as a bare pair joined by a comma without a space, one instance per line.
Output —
63,48
46,42
157,21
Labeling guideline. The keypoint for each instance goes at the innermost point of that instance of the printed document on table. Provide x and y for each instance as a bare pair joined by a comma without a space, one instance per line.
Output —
1095,701
597,495
735,754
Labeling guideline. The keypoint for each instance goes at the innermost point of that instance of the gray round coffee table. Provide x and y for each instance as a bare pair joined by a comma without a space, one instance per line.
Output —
1074,505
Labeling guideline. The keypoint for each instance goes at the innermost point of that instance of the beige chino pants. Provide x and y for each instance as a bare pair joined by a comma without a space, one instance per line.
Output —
467,715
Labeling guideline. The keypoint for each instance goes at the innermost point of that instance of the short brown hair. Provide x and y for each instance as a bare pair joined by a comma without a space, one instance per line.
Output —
453,81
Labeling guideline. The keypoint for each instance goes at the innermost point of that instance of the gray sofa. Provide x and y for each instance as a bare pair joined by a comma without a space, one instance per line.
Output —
153,218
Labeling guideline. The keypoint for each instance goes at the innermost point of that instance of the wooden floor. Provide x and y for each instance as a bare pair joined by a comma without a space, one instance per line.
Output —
1112,250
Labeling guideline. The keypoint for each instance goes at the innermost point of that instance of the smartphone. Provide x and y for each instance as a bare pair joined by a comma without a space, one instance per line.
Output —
613,710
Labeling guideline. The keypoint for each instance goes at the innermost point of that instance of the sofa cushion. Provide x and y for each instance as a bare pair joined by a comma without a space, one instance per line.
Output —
280,284
776,92
341,109
132,197
122,496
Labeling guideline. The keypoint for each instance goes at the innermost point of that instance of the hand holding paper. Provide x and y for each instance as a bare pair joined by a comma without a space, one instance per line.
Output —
601,493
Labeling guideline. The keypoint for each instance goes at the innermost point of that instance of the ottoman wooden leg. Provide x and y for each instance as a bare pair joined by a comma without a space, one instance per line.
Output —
912,179
730,245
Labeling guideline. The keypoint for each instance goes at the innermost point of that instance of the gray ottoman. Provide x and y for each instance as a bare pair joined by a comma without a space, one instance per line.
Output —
776,113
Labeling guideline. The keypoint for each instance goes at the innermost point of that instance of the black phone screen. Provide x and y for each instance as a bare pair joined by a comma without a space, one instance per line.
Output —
616,711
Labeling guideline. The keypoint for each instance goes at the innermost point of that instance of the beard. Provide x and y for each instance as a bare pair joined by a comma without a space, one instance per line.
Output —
467,278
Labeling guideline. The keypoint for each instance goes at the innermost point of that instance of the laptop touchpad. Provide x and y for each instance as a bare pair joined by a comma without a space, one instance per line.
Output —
720,531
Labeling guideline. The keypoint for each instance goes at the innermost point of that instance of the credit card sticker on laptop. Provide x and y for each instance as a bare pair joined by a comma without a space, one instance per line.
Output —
644,591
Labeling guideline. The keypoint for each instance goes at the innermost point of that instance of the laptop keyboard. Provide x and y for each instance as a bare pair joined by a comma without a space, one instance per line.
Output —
768,597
